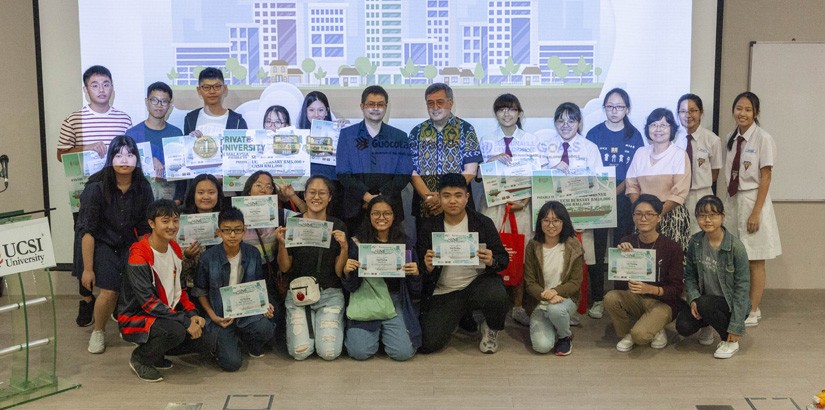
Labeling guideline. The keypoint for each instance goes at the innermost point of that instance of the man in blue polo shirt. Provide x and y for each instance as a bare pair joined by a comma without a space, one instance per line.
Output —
373,158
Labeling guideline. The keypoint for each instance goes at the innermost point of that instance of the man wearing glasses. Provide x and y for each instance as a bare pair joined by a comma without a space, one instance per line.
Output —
441,145
373,159
155,128
228,264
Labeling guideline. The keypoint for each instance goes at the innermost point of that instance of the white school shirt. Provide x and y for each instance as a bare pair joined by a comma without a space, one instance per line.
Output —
707,155
211,125
235,269
454,278
582,153
168,266
758,151
524,144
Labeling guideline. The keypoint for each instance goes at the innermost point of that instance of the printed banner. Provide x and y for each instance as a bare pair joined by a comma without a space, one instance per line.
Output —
323,141
186,156
507,183
588,195
25,246
248,151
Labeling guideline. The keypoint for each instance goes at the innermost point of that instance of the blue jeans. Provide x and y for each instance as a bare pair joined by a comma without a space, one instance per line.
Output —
363,343
228,350
327,318
550,322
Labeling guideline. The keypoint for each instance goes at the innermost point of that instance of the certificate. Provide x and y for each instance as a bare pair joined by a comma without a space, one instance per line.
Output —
308,232
199,227
381,260
258,211
638,264
507,183
323,141
79,166
245,299
248,151
455,249
588,195
187,156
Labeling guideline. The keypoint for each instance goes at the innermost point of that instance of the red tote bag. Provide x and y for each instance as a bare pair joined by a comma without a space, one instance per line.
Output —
514,244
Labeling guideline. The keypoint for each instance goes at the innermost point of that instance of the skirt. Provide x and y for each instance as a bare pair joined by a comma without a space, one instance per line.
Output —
690,202
675,225
762,244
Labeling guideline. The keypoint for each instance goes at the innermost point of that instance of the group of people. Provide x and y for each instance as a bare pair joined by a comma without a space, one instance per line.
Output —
167,300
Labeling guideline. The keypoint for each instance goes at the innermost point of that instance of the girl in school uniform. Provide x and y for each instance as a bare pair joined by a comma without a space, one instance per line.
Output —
749,156
509,143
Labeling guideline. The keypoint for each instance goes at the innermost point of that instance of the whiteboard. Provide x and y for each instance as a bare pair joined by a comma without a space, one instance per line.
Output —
787,77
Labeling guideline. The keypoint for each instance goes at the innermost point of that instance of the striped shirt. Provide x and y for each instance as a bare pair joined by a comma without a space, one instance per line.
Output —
86,127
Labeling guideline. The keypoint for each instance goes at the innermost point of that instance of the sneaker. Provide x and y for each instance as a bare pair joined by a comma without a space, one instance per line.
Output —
164,364
726,349
660,340
564,346
255,355
759,313
706,336
575,319
489,339
97,343
86,313
520,316
597,310
626,344
753,319
145,372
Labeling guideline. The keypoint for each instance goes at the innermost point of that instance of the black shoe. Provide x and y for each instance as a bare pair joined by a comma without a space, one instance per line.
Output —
86,313
468,324
564,346
163,364
145,372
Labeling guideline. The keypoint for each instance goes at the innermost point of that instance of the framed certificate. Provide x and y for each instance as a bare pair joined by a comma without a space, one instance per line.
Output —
202,228
381,260
455,249
258,211
308,232
245,299
638,264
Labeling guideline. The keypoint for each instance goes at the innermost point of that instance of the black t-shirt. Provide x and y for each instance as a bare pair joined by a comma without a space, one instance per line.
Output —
318,262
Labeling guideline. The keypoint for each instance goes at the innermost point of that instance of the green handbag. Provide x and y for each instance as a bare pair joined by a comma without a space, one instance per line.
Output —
371,301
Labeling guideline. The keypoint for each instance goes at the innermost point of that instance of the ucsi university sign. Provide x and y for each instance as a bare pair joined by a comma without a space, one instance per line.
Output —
25,246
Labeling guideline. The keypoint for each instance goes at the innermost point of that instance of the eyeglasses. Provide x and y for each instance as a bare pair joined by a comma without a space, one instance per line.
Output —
645,215
691,111
97,86
373,104
560,122
210,87
157,101
319,194
553,222
277,123
508,111
385,214
231,231
262,187
615,108
709,216
437,103
656,126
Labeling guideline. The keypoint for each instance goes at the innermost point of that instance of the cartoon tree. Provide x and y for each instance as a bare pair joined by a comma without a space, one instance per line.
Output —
478,73
598,72
236,70
582,68
172,75
559,69
320,74
430,72
308,65
261,76
364,67
409,70
196,72
509,68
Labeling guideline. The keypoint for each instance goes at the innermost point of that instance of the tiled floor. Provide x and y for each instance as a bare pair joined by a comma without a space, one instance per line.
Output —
779,364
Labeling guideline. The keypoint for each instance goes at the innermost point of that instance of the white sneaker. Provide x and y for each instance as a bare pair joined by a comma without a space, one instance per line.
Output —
597,310
660,340
626,344
753,319
706,336
520,316
97,343
489,339
575,319
726,349
759,313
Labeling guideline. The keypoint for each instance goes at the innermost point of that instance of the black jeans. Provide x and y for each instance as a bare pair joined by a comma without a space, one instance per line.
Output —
441,313
714,312
168,337
595,273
